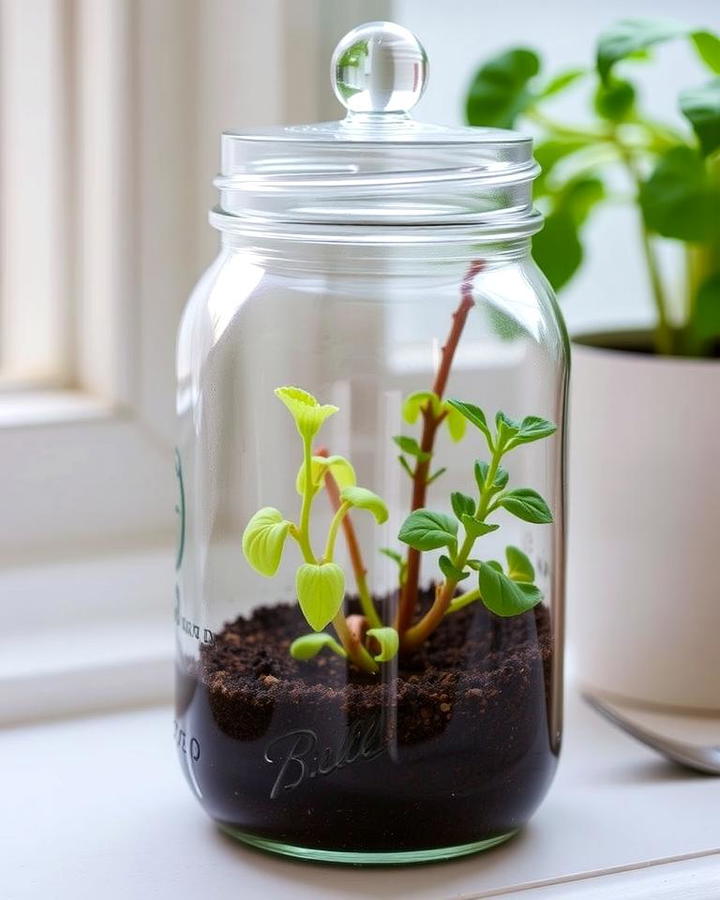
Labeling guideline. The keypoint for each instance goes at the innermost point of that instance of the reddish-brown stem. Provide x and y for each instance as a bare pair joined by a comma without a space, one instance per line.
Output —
431,423
353,545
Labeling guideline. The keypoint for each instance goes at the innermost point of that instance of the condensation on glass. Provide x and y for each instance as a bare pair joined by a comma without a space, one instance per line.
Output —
347,249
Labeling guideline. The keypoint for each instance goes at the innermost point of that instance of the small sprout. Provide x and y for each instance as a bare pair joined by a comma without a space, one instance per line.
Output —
481,473
436,475
362,498
388,640
418,401
450,571
309,645
462,504
404,463
308,414
264,539
396,558
341,469
320,590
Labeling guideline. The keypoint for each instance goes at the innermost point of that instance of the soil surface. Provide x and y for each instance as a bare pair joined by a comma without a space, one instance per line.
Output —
447,748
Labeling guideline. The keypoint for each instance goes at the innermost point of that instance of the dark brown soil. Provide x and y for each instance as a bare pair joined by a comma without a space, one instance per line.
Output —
447,748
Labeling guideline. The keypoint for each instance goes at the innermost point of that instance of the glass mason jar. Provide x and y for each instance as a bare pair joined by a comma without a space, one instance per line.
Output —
371,396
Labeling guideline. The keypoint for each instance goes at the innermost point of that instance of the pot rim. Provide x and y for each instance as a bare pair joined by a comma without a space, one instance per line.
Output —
609,344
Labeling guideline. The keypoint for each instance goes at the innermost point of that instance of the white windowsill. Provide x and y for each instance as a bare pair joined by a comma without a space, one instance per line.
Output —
98,807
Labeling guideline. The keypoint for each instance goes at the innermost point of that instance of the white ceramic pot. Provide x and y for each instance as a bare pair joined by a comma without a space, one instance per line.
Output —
644,526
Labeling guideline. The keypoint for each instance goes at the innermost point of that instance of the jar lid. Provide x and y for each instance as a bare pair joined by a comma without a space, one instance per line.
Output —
378,164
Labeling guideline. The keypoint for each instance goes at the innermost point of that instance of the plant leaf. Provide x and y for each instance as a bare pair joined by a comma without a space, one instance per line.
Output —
411,446
428,530
482,468
462,504
404,463
393,555
308,414
630,35
701,107
415,402
436,475
705,322
474,415
533,428
309,645
389,642
264,539
503,596
362,498
708,49
451,572
519,566
507,428
499,91
320,590
561,81
456,422
526,504
678,200
341,468
614,99
477,529
549,153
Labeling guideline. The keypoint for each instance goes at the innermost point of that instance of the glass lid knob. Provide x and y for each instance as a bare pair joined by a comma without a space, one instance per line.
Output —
379,67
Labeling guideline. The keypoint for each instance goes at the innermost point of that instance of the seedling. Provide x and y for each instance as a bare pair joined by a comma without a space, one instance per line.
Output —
320,582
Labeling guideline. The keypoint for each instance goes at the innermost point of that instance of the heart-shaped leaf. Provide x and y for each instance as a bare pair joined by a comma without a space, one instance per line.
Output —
415,402
428,530
264,539
503,596
362,498
320,590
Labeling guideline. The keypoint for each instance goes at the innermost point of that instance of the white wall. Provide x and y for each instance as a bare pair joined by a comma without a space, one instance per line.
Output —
458,34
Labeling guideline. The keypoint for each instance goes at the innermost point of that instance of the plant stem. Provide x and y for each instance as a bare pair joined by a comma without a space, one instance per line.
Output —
354,649
303,537
340,514
431,422
664,336
419,632
353,545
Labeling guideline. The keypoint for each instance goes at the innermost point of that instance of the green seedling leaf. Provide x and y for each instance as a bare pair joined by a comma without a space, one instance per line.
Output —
519,566
404,463
411,446
526,504
708,49
493,563
462,504
630,35
474,564
436,475
264,539
474,415
307,413
701,107
396,558
451,572
428,530
388,640
456,422
678,200
481,473
551,152
320,590
341,469
533,428
415,403
561,82
309,645
507,428
505,597
362,498
499,91
477,529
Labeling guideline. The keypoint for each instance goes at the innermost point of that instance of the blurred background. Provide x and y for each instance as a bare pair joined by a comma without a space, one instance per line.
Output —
110,116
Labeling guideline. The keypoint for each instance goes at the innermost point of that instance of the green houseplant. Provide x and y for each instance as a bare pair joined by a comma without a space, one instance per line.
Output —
644,405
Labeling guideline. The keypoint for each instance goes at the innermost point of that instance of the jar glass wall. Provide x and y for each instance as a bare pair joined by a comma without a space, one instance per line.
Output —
448,743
